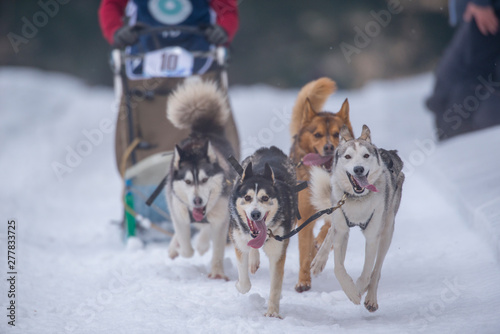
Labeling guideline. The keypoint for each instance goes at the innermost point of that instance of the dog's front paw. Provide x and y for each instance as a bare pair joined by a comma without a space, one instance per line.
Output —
187,251
243,287
371,306
217,272
352,293
303,286
172,252
202,247
319,263
273,314
218,276
173,248
347,284
371,301
254,267
254,262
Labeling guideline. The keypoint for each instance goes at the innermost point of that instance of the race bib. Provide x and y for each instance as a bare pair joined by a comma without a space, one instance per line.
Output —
168,62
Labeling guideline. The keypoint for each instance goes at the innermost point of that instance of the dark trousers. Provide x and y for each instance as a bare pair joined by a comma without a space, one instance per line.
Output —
466,96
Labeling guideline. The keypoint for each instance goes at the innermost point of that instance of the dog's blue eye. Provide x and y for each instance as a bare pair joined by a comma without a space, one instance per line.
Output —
264,198
248,198
347,156
366,156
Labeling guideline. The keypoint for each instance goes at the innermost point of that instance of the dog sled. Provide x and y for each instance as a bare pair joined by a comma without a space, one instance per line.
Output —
144,137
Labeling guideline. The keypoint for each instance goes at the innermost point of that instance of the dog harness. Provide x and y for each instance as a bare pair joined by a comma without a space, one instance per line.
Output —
362,226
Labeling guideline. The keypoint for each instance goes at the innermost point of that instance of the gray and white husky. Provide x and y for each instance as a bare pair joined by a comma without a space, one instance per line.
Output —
198,184
372,180
263,198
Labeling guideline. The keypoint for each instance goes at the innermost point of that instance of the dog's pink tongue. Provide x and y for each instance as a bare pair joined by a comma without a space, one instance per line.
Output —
259,240
315,159
363,182
198,214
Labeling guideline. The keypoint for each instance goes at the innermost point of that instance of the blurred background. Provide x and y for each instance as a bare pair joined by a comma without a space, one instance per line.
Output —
283,43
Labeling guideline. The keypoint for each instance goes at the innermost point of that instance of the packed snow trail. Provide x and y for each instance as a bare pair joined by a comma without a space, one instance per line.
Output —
75,275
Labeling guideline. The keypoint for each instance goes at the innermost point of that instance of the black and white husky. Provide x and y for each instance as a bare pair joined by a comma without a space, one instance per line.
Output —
263,198
372,180
198,186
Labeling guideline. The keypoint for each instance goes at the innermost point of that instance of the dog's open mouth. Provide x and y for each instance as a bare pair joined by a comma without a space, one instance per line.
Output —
359,183
199,213
328,163
258,231
315,159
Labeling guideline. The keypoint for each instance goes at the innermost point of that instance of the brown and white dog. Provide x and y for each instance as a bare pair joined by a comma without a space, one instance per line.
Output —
313,131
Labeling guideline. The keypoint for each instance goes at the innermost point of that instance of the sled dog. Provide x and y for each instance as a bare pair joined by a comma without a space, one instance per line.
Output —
372,180
263,198
198,185
313,131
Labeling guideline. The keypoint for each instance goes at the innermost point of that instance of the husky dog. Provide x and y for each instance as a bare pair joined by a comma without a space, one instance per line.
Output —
263,198
372,181
313,131
198,184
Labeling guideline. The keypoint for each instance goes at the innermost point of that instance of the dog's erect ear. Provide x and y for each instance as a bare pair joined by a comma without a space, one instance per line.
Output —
248,172
309,112
268,173
345,134
344,116
365,134
178,153
344,112
208,149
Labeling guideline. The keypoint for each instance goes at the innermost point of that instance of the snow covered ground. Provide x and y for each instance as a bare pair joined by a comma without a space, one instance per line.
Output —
441,274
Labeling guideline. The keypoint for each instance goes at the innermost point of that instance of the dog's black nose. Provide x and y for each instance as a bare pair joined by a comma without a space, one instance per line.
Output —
328,149
255,215
359,170
197,201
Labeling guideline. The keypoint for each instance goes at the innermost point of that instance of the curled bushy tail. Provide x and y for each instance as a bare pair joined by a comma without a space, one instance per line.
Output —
198,105
316,92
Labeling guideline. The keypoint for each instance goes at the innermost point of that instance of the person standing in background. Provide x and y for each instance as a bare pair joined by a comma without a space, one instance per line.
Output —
466,95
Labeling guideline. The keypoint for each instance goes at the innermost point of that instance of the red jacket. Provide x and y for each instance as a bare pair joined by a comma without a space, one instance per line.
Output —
111,14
